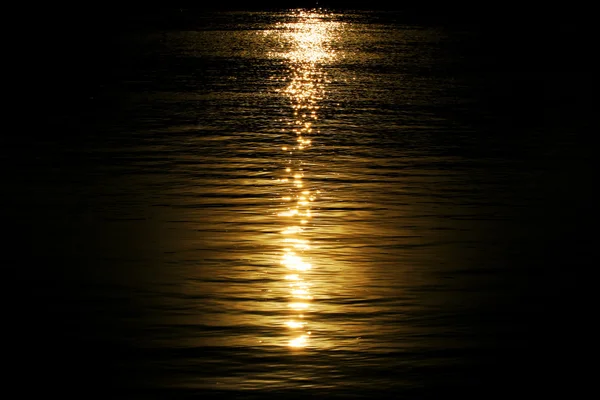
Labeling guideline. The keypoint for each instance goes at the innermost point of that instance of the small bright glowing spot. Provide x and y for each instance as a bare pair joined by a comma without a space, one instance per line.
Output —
294,324
284,148
294,262
298,306
289,213
290,230
300,341
288,169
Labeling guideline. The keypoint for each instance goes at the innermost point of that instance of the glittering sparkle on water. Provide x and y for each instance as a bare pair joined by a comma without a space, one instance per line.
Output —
308,38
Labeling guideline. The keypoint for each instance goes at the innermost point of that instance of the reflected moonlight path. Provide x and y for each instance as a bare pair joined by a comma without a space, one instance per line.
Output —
292,204
307,38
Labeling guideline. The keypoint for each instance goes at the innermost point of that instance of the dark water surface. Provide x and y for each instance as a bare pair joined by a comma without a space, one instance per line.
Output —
333,204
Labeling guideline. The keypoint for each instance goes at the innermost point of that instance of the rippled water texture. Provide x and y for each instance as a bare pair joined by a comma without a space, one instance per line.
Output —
300,202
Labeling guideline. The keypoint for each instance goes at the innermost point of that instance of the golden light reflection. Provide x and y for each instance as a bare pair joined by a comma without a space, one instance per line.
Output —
308,39
300,341
298,306
294,324
301,294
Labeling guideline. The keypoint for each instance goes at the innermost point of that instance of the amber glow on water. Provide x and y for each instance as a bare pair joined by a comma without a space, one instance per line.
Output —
257,204
308,39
